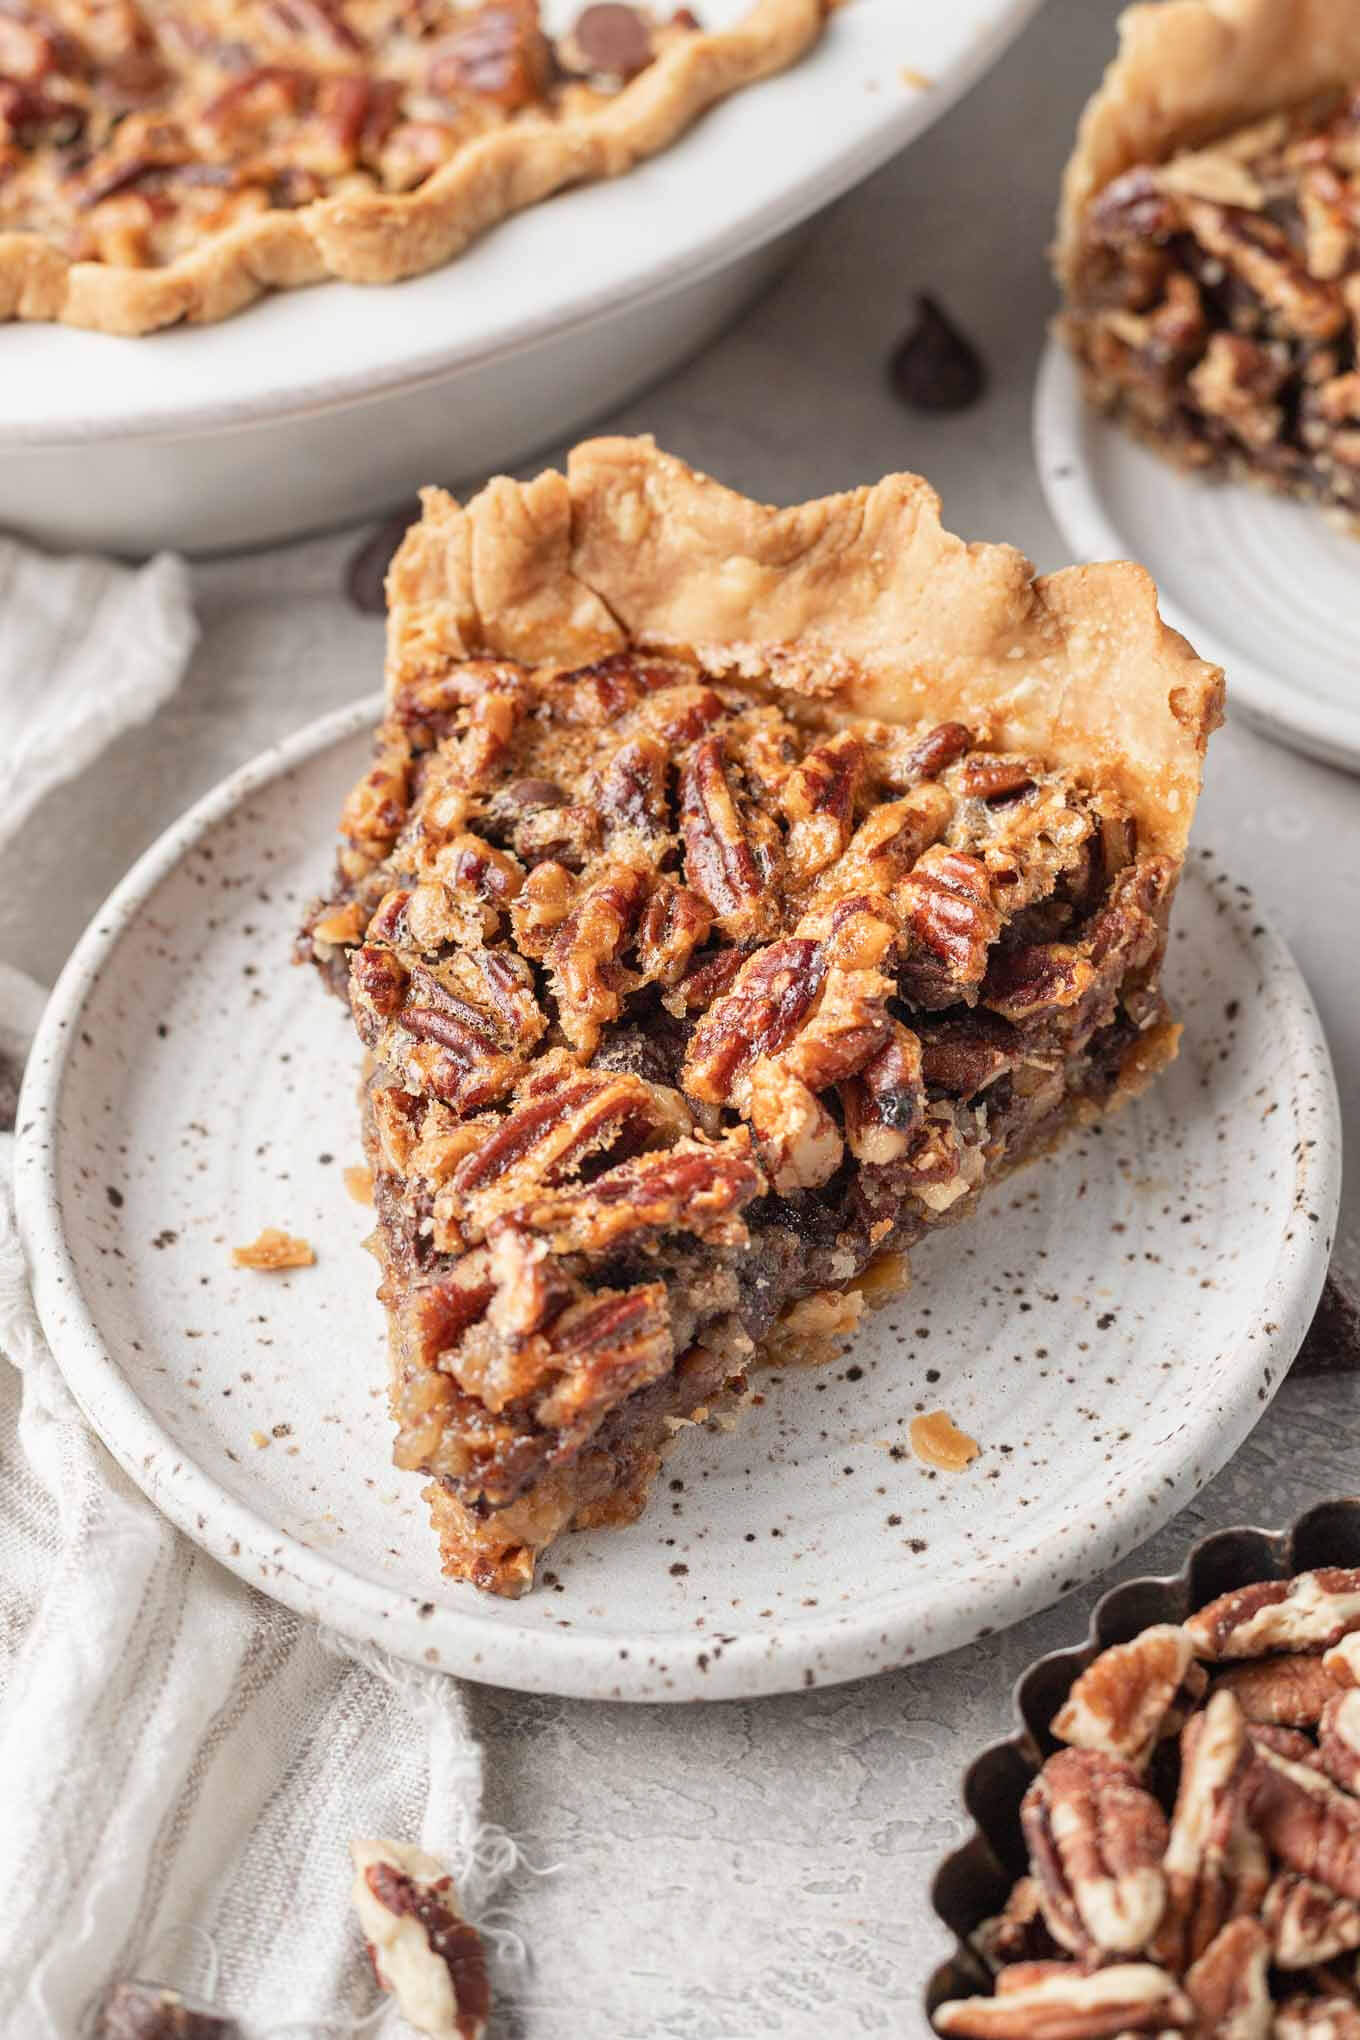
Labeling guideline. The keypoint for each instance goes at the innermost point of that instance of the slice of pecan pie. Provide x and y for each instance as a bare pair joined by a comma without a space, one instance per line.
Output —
162,161
1209,243
734,893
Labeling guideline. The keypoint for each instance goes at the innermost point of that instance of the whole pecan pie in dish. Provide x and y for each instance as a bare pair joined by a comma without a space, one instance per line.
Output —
1209,242
165,161
735,892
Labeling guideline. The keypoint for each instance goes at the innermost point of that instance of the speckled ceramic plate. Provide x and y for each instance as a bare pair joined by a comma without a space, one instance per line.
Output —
1108,1330
1264,587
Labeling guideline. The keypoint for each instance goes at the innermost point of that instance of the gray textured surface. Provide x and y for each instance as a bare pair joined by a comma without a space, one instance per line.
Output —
762,1869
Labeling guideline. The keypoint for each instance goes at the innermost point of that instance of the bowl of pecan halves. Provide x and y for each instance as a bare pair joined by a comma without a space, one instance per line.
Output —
1170,1843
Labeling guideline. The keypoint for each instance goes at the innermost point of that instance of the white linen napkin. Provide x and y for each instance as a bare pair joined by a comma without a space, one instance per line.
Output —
182,1762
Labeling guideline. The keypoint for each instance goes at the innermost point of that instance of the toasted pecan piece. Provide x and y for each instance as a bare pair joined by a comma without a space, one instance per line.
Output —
1096,1841
1121,1703
1311,1612
1057,2002
1290,1692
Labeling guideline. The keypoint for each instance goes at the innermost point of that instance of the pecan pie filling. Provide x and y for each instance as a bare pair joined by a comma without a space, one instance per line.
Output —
1213,301
678,1009
734,892
1194,1846
237,145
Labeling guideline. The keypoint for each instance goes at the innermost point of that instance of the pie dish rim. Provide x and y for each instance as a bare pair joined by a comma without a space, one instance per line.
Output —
382,238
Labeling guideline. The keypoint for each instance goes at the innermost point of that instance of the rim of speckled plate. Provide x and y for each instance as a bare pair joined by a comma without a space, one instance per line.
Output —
579,1665
974,1880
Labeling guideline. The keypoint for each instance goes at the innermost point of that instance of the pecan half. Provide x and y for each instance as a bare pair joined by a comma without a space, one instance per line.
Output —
1290,1692
1214,1866
674,923
1307,1923
818,803
728,856
561,1116
769,996
422,1949
847,1029
1096,1841
695,1187
603,1349
946,903
1339,1739
1227,1985
1062,2003
1308,1822
1121,1702
1308,1613
498,53
583,956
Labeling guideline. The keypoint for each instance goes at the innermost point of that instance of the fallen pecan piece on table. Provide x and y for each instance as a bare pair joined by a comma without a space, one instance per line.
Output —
1239,1919
422,1950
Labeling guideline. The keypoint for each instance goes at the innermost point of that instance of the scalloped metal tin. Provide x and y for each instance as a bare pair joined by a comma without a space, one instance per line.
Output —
972,1883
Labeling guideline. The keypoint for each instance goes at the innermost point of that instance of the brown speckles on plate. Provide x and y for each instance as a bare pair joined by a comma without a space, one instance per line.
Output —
198,1126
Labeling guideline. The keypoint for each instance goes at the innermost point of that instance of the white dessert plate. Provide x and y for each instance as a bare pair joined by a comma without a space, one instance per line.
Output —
1108,1330
1266,588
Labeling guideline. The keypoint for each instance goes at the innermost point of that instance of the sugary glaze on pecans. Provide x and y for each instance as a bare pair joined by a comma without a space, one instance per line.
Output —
1215,301
133,130
1241,1918
679,1008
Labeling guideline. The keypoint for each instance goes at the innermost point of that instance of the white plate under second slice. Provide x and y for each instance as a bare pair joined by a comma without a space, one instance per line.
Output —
1265,587
1109,1328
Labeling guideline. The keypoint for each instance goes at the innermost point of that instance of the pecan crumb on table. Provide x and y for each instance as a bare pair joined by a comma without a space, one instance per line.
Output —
274,1249
359,1182
1194,1851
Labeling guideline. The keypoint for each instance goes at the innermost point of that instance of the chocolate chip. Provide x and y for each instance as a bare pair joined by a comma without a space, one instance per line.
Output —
934,368
148,2011
1331,1345
613,39
367,569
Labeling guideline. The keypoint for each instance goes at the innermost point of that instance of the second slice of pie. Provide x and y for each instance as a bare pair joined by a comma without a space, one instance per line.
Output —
735,893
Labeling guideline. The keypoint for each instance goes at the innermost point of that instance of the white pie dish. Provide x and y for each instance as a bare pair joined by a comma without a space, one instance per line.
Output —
326,404
1109,1329
1263,586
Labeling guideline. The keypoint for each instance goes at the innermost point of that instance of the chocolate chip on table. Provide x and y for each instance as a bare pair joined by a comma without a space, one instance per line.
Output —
1331,1345
150,2011
613,38
934,367
367,569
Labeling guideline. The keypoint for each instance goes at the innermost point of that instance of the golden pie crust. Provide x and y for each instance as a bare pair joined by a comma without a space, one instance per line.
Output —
379,237
734,893
862,603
